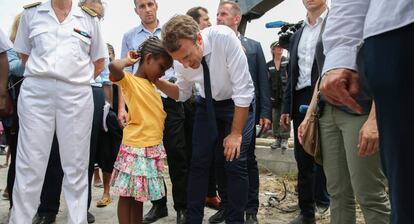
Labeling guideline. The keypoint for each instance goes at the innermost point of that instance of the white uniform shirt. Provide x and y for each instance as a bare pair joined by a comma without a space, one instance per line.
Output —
351,21
64,51
229,71
306,51
5,43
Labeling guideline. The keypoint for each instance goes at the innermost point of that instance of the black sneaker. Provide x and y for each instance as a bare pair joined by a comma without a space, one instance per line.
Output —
181,216
275,144
251,219
156,212
219,217
44,219
90,218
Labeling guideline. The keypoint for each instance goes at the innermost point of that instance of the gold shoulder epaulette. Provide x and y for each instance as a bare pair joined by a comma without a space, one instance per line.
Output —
31,5
89,11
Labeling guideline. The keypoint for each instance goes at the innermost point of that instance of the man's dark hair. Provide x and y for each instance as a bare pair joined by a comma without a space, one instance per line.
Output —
135,2
110,48
195,13
178,27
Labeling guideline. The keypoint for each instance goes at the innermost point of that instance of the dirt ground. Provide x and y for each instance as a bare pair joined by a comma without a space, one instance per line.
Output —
283,207
272,212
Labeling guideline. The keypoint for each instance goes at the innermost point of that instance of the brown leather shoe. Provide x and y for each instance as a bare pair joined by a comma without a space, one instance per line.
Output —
213,202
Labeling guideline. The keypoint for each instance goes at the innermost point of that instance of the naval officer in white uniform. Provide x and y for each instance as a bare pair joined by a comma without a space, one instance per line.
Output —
62,48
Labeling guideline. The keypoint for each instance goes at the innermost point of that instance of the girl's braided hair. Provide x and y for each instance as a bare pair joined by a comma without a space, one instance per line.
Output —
153,46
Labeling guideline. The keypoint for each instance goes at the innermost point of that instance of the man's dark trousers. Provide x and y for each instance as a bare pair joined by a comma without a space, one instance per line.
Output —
389,68
311,179
252,205
205,144
178,154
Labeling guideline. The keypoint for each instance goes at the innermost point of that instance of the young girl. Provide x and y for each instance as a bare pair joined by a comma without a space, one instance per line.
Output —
137,174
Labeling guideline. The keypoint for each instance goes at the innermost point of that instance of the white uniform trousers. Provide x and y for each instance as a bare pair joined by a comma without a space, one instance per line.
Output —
47,105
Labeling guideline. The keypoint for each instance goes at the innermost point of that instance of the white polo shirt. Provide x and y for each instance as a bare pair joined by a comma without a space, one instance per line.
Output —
64,51
5,43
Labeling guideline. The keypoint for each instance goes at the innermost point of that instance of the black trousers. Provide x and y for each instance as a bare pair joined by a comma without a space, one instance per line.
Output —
232,175
52,186
311,177
12,135
109,143
252,206
389,69
189,111
178,154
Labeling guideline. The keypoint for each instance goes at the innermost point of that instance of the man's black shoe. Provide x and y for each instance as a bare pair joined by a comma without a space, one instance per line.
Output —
90,218
251,219
156,212
303,220
181,217
219,217
44,219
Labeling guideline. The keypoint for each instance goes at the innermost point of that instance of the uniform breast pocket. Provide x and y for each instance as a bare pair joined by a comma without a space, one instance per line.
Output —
81,45
39,40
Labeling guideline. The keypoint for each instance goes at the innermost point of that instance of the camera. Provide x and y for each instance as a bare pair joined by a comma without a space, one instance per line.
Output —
286,32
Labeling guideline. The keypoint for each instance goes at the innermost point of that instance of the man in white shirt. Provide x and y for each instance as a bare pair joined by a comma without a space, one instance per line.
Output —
304,70
213,58
5,45
229,14
387,30
62,48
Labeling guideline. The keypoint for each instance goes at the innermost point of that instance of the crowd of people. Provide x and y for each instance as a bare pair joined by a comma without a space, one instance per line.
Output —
190,93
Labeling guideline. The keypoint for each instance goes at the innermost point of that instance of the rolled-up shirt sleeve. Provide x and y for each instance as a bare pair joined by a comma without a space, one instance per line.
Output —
343,35
238,68
184,87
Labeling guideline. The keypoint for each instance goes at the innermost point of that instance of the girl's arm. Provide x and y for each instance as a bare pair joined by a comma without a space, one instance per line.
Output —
116,67
170,89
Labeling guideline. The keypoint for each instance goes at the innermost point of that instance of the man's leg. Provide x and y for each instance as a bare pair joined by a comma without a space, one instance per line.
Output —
366,176
389,68
52,185
36,109
175,146
204,142
253,196
305,162
73,129
232,176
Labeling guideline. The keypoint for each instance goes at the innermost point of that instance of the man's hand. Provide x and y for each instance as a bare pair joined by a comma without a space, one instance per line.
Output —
122,118
368,138
265,123
340,86
232,144
301,129
285,121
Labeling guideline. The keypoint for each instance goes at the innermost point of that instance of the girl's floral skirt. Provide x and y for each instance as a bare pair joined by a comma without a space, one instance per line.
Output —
138,173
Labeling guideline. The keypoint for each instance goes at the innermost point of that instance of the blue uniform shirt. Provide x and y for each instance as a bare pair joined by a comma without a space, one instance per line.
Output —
133,39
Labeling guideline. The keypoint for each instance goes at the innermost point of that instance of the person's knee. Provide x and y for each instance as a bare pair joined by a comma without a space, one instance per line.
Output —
236,167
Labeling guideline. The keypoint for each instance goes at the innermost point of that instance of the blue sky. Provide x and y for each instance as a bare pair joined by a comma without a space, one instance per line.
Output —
120,17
